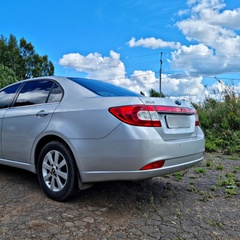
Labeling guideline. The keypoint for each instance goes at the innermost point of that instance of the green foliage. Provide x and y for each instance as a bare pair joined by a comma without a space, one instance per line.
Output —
209,163
153,93
220,167
22,59
7,76
220,122
200,170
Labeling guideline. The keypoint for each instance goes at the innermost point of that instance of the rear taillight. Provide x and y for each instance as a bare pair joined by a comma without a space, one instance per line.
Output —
138,115
153,165
196,120
147,115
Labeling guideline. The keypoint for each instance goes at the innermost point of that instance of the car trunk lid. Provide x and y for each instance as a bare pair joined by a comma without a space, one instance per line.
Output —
178,119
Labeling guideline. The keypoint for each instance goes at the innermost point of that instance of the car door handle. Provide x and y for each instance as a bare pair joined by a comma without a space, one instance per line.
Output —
42,113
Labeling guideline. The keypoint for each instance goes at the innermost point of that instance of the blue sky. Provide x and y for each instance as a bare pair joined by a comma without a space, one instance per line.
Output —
121,41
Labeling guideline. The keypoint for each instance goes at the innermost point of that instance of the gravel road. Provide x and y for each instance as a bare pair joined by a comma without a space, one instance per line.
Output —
201,203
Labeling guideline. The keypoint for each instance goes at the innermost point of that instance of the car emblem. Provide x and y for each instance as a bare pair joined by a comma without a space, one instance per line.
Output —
178,102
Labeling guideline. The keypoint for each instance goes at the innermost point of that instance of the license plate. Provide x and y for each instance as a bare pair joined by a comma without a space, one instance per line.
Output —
176,121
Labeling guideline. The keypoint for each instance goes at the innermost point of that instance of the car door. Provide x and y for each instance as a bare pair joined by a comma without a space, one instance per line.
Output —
27,118
6,97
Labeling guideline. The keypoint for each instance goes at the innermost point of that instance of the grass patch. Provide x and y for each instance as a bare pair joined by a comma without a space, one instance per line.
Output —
213,188
209,163
179,175
233,157
220,167
215,223
200,170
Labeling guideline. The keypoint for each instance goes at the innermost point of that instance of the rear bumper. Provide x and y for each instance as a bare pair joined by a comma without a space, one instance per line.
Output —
174,165
122,154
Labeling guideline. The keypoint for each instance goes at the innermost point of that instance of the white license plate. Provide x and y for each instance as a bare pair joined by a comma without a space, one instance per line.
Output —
176,121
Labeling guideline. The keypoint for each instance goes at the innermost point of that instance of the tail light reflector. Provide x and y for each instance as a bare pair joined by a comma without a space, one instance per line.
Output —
153,165
196,120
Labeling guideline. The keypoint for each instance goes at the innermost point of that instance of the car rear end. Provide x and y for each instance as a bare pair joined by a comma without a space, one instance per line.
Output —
155,136
178,127
116,134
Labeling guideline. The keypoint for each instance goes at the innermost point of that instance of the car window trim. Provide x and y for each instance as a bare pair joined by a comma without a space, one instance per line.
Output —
16,94
12,105
55,84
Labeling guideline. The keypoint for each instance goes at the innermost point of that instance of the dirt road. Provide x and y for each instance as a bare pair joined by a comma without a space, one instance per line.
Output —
201,203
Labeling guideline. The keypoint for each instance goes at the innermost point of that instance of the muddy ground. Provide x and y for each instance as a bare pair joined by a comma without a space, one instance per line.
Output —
200,203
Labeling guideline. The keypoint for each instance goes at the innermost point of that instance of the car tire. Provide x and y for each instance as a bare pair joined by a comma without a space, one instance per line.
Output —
56,171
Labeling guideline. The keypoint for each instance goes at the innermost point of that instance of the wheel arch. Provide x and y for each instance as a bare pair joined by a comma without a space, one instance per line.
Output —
49,138
46,139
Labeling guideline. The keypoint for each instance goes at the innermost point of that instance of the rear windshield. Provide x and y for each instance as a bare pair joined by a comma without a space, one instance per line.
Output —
103,89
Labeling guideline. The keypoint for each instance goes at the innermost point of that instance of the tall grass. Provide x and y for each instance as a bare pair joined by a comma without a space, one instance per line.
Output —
220,121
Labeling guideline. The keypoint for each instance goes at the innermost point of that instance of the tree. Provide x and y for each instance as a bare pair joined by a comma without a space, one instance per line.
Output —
22,58
154,93
10,53
7,76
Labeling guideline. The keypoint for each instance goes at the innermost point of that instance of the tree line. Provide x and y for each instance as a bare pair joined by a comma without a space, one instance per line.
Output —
19,60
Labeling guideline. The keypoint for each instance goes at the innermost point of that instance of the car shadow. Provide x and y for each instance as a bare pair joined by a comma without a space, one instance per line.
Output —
125,196
119,196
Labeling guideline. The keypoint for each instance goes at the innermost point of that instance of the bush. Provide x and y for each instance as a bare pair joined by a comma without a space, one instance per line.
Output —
220,122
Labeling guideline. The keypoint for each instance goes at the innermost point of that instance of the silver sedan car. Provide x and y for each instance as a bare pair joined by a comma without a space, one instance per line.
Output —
73,132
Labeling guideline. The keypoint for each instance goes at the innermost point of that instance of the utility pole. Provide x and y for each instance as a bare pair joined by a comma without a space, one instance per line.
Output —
160,76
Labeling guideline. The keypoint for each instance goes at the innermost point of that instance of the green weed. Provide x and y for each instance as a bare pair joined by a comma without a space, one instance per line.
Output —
200,170
215,223
219,167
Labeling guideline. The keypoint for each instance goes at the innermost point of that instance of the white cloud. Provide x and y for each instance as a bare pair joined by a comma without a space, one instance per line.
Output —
215,30
214,43
199,5
112,69
203,32
152,43
171,84
96,66
228,18
196,59
138,81
182,85
213,49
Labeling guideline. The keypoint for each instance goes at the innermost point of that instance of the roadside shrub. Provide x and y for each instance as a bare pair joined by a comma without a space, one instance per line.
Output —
220,121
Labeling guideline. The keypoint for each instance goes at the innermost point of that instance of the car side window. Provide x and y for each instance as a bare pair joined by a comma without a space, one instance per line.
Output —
7,95
56,94
34,92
